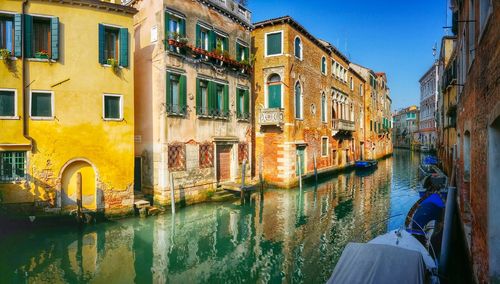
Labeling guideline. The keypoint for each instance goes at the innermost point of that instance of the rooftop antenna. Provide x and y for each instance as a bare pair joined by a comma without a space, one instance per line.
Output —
434,50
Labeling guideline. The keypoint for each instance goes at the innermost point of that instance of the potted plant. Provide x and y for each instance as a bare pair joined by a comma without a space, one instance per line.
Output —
42,54
5,54
114,64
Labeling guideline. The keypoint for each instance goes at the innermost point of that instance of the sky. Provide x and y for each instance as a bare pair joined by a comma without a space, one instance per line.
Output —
391,36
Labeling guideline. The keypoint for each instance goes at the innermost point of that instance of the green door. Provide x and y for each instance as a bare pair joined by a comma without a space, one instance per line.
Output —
274,96
300,153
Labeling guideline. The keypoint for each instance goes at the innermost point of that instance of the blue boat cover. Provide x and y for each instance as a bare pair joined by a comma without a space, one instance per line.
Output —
431,208
430,160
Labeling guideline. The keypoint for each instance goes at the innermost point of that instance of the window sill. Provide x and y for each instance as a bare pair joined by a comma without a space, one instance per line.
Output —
179,115
13,58
10,117
20,181
41,118
113,119
109,66
41,60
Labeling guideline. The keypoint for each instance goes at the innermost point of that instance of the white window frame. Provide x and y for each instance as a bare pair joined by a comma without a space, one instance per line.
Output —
16,116
294,48
321,65
301,101
104,104
327,146
265,43
52,104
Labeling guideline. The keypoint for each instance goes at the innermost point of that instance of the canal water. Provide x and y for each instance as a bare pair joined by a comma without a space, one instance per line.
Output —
281,236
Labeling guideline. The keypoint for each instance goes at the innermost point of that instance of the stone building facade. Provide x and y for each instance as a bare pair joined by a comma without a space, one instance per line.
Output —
306,104
67,106
478,131
193,96
428,105
405,126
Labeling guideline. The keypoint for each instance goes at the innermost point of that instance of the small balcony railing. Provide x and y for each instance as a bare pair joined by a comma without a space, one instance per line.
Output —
342,124
271,116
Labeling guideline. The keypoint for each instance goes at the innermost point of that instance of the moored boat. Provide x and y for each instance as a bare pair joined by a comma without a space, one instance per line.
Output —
365,164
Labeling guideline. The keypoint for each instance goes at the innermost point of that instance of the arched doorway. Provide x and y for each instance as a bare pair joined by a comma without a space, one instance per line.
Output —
70,183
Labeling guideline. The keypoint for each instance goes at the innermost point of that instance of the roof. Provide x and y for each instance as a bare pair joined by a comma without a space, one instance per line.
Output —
99,5
290,21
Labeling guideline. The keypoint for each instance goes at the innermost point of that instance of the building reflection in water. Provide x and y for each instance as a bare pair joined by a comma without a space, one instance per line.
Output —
279,236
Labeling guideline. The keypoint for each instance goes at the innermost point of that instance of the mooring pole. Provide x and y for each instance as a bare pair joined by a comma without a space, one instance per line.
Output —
242,188
300,172
315,169
79,195
172,193
447,230
260,175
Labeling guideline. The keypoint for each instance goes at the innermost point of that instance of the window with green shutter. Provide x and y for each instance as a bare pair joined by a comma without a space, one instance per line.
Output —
242,52
12,166
41,37
274,91
273,44
113,45
175,28
176,94
7,32
7,103
202,98
242,104
41,105
113,107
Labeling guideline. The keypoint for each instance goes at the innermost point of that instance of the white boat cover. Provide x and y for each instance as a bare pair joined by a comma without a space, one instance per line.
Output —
403,239
376,263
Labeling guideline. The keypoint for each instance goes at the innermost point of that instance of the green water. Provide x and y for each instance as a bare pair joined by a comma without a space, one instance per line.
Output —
282,236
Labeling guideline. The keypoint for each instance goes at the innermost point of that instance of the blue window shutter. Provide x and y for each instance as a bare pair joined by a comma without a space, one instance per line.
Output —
28,36
54,34
124,47
18,35
102,60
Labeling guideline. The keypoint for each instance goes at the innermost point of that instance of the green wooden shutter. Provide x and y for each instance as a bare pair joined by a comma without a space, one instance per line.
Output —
167,29
102,60
198,97
226,100
246,107
167,93
211,97
238,104
211,41
238,51
274,96
28,36
182,32
54,38
246,50
18,35
7,103
225,44
123,57
198,36
273,44
183,94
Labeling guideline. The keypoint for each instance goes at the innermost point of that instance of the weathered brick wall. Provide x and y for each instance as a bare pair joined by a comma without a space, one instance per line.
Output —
480,97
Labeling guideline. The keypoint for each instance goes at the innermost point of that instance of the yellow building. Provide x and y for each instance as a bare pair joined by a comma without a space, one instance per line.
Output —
66,105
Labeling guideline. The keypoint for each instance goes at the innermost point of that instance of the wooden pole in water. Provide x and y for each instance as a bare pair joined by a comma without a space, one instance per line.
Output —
172,193
260,175
242,188
300,172
79,196
315,169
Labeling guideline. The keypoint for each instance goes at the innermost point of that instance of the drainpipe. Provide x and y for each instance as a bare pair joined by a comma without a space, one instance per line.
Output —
23,79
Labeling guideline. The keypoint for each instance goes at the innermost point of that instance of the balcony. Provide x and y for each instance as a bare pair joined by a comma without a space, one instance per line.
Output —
271,117
342,125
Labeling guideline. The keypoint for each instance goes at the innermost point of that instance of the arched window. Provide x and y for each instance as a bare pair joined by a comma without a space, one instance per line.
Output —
323,108
467,154
298,101
298,48
323,65
274,91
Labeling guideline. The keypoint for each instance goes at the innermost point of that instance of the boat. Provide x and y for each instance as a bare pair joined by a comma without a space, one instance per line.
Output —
425,220
365,164
395,257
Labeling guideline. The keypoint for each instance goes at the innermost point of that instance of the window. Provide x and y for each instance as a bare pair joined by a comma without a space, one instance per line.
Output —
485,10
361,92
242,52
212,99
175,29
203,40
323,65
472,35
337,69
274,91
202,100
323,108
7,103
42,37
176,157
298,101
42,105
7,33
274,43
12,166
176,94
219,99
242,104
206,155
352,84
221,43
113,45
298,48
324,146
467,156
113,107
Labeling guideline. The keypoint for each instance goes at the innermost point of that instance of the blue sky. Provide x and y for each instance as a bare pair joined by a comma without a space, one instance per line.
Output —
391,36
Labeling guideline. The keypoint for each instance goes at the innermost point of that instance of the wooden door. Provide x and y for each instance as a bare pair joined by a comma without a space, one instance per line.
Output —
223,163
